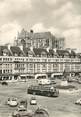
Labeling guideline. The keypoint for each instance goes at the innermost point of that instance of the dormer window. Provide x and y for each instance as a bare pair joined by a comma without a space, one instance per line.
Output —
15,54
21,54
30,54
43,54
5,52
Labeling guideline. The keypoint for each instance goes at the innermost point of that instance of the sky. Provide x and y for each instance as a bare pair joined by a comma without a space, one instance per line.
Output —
61,17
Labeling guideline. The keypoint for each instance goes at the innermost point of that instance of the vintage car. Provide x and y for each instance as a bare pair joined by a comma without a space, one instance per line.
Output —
44,81
41,112
22,112
43,90
33,101
22,103
12,102
71,79
78,102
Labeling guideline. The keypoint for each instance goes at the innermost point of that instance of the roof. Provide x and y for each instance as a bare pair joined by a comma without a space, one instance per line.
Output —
62,52
16,50
4,49
42,35
72,53
38,51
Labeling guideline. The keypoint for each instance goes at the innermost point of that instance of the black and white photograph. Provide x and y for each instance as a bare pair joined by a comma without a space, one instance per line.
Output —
40,58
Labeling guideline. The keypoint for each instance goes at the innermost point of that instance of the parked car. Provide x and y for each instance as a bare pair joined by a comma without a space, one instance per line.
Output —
40,112
33,101
78,102
72,79
12,102
22,112
44,81
22,103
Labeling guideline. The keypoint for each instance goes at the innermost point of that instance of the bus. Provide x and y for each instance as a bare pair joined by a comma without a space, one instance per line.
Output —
43,90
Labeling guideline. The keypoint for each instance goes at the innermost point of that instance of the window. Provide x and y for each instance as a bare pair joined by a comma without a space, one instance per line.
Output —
3,71
0,59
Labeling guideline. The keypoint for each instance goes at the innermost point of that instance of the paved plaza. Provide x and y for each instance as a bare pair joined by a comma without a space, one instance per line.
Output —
62,106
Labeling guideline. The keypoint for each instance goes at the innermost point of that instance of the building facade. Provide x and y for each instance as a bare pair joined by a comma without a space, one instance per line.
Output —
18,61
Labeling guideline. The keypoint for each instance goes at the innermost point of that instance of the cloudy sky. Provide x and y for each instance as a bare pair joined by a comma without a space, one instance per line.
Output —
61,17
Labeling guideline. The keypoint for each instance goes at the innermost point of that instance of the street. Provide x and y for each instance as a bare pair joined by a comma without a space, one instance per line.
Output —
62,106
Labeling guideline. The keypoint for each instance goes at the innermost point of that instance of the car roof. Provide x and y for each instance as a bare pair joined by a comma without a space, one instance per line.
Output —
33,97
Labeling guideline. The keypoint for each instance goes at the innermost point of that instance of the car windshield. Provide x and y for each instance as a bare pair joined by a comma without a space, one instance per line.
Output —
13,99
33,98
22,110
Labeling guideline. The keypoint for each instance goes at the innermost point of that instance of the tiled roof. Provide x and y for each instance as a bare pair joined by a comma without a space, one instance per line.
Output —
4,48
38,51
72,53
62,52
42,35
16,50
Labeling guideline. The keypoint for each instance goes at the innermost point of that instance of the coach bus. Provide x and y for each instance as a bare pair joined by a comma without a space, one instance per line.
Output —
43,90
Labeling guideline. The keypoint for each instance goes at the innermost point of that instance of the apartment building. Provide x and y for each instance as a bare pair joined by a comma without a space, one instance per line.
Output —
18,61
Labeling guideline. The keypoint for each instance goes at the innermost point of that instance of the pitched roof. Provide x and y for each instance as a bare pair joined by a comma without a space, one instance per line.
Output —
62,52
42,35
38,51
4,48
72,53
16,50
